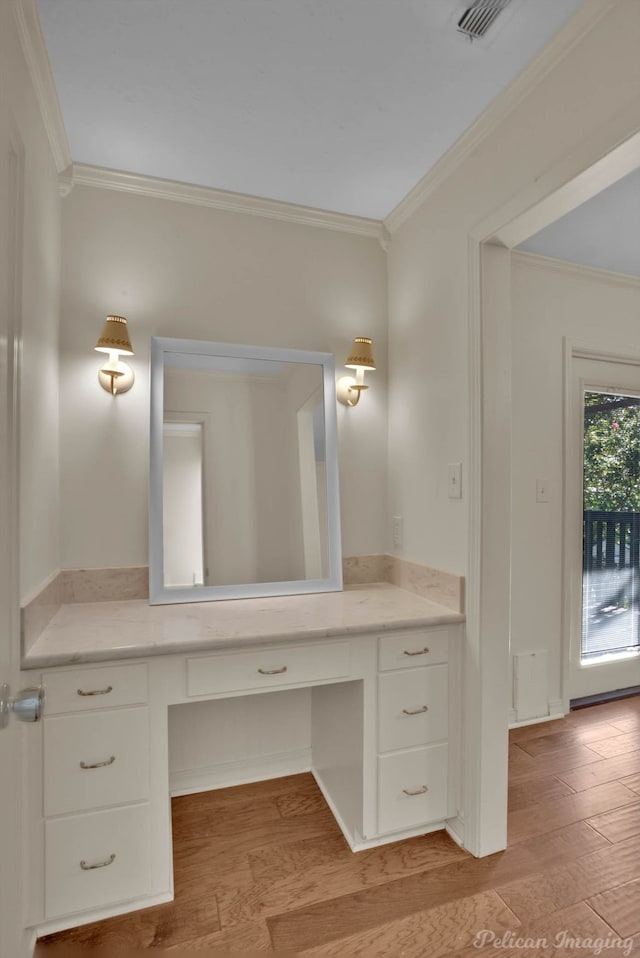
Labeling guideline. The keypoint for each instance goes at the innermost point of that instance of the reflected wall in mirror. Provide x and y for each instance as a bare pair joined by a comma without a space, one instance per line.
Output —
244,476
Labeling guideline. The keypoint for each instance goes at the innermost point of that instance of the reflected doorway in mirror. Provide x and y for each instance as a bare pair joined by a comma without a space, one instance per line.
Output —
182,505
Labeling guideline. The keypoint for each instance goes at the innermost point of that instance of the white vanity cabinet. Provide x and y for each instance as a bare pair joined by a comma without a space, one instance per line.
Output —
96,791
383,745
413,729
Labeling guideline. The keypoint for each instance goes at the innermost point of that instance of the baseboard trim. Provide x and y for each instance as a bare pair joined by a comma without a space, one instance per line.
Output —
587,700
556,709
536,721
455,830
31,938
350,839
98,914
191,780
361,844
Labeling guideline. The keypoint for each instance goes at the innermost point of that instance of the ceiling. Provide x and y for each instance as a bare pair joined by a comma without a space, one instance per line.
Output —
604,232
341,105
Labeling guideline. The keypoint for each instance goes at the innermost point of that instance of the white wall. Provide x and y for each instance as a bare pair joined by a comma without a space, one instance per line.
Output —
178,270
579,109
593,85
428,387
596,311
39,461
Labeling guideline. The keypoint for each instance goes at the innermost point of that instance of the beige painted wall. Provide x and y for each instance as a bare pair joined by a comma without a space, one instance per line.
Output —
596,311
178,270
39,461
591,95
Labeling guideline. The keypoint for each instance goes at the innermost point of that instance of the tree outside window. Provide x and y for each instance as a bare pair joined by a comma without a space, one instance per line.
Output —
611,453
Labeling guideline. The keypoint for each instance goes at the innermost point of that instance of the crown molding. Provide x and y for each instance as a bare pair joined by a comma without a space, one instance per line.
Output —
65,181
581,23
100,178
385,238
536,261
35,53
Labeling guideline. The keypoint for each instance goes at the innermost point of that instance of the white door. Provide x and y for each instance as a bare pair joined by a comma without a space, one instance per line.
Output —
603,526
13,941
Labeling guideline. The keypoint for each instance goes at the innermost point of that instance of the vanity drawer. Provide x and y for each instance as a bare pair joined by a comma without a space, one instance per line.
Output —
421,771
100,688
114,749
267,668
410,650
114,847
413,707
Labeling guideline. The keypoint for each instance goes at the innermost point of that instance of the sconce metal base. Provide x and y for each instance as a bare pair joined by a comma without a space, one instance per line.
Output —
348,391
116,378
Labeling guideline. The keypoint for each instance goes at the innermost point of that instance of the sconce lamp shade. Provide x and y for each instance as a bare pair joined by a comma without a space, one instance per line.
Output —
361,355
115,337
348,389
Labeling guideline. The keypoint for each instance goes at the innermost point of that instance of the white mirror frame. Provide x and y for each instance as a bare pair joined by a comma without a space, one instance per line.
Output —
159,594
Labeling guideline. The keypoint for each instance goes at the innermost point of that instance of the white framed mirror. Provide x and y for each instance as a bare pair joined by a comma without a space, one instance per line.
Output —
243,494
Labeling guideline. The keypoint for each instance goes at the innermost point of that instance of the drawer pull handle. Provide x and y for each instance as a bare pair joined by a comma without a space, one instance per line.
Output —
106,691
417,791
272,671
419,652
109,861
423,708
109,761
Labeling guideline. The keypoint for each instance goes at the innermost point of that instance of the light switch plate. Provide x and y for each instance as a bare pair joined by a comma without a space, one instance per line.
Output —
454,480
542,490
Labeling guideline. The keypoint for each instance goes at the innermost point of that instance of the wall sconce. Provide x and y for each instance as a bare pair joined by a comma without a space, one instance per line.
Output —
361,358
116,377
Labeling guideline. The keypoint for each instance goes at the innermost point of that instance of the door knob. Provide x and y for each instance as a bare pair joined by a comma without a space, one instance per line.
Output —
27,705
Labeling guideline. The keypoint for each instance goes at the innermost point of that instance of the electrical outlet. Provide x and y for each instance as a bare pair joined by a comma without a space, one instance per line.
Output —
397,532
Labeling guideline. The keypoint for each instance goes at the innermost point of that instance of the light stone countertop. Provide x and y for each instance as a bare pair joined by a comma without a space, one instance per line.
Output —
107,631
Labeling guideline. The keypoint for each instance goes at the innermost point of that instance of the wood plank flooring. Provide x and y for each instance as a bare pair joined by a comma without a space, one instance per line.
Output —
264,868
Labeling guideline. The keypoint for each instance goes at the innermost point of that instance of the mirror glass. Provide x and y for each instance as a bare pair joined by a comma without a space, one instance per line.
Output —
244,477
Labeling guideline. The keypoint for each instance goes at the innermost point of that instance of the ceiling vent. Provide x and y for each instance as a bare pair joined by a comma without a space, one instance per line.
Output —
475,21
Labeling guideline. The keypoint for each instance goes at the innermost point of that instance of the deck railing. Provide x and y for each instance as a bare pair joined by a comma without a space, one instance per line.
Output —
611,540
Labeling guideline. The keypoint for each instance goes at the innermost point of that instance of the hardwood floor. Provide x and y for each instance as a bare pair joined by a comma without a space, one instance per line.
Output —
264,868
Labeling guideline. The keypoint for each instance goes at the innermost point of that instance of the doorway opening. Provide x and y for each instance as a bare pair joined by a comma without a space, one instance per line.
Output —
602,525
611,527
